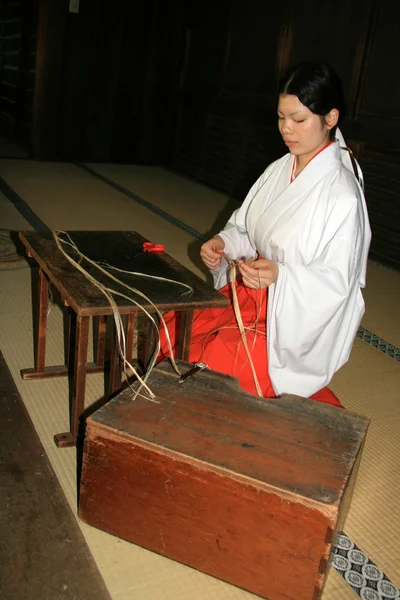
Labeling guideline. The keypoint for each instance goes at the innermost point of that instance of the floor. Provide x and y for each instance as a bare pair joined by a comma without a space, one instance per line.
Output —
179,213
36,551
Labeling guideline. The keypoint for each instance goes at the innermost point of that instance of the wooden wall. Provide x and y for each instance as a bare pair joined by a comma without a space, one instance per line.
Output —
18,38
236,53
96,85
119,81
192,85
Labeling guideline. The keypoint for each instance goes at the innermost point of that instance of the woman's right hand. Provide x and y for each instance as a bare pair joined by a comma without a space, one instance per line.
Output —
212,251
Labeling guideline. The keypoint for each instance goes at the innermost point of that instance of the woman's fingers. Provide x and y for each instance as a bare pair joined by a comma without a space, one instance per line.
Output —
251,284
211,252
260,274
212,263
251,278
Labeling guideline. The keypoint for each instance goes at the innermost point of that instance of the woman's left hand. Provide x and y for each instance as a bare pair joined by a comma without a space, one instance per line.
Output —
259,274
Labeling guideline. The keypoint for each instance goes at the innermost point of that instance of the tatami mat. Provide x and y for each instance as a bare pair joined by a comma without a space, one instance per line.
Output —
10,217
382,298
369,384
198,206
129,572
66,197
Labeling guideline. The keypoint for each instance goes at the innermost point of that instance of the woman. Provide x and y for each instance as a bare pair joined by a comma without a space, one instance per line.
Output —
305,224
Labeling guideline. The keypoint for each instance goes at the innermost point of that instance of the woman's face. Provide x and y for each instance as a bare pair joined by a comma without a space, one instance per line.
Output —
304,132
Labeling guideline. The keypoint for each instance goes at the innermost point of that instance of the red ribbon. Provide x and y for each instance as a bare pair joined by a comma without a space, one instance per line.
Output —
150,247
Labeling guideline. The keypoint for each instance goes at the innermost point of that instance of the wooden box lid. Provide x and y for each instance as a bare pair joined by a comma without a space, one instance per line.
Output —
297,445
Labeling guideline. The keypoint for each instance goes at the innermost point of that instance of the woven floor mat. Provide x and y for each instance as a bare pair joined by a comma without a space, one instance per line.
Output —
207,210
368,384
66,197
382,296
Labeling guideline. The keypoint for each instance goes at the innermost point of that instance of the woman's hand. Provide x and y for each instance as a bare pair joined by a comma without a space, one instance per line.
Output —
259,274
212,251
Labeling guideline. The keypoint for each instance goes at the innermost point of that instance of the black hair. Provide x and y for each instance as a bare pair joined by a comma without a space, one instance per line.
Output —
317,86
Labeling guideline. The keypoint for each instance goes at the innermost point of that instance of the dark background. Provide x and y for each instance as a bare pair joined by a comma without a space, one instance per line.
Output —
192,86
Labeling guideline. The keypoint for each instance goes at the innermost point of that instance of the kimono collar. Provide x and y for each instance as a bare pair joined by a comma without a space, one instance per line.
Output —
336,152
295,160
326,160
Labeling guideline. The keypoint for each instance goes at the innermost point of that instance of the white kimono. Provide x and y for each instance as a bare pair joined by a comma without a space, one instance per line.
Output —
317,229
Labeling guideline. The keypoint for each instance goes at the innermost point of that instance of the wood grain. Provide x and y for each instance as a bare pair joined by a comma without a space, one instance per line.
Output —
233,485
123,250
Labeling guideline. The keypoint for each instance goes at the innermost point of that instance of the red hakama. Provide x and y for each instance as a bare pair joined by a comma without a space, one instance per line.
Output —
216,341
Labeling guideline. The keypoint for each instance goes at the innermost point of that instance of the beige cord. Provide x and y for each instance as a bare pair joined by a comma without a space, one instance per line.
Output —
108,293
239,320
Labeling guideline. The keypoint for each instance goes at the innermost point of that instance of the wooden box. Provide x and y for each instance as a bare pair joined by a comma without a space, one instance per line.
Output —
248,490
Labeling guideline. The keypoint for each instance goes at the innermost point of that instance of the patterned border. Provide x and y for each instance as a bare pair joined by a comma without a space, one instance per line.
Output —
22,206
155,209
362,575
379,343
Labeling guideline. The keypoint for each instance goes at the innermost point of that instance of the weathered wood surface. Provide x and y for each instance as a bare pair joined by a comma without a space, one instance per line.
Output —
43,553
248,490
124,250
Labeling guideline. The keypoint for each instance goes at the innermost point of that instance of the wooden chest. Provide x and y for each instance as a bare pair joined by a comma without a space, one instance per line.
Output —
248,490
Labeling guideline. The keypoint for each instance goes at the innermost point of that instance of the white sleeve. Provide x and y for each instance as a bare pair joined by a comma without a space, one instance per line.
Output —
237,241
314,312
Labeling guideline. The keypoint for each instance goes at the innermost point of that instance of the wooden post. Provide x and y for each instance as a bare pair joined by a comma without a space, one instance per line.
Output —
49,61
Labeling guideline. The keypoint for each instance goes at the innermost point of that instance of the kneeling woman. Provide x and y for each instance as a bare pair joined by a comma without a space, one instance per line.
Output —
301,241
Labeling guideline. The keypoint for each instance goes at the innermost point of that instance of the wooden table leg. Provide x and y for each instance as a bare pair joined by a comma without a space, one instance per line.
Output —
101,323
115,378
149,345
40,371
69,438
130,334
68,353
185,335
40,326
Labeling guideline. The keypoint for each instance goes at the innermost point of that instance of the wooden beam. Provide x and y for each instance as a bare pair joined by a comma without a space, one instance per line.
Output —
48,79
